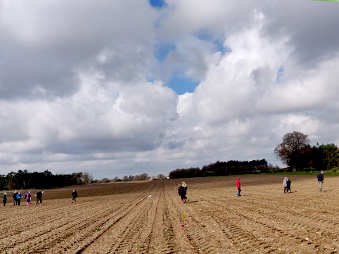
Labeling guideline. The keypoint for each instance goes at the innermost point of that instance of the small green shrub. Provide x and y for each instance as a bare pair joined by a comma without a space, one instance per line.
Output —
309,169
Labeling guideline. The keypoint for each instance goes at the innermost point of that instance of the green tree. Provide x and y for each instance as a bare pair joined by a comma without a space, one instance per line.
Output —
331,156
325,157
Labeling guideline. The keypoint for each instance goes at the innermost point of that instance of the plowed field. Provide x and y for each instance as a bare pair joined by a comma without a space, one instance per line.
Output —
149,218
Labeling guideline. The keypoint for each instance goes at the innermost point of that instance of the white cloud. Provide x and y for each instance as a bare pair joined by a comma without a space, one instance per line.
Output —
230,90
96,120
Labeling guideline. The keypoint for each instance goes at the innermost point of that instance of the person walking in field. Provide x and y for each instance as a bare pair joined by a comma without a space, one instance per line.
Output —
74,196
182,192
39,197
18,197
4,198
185,190
285,184
320,177
288,185
28,198
238,186
15,202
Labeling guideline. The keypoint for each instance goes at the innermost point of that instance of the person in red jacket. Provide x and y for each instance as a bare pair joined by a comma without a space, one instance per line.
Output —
238,186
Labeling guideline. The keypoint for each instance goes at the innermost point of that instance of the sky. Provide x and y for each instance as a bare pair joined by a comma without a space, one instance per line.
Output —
127,87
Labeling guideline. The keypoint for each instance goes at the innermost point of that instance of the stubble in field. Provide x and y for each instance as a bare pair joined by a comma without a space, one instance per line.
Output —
149,218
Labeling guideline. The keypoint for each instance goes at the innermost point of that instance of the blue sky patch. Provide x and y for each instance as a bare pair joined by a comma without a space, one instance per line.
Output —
182,85
157,3
205,35
279,74
162,50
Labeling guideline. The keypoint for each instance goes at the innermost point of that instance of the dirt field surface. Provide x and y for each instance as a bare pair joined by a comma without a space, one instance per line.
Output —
149,218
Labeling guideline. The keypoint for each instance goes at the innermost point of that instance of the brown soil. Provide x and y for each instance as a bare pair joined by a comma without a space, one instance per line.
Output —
149,218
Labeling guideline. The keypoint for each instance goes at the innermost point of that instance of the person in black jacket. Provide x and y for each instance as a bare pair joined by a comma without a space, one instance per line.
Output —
39,197
182,191
320,177
74,196
288,185
4,199
15,201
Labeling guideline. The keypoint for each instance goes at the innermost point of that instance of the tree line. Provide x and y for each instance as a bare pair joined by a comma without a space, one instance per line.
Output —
296,152
218,168
142,177
41,180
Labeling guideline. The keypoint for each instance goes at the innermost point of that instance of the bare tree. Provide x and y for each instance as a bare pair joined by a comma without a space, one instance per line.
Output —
294,150
86,177
105,180
143,176
137,178
161,177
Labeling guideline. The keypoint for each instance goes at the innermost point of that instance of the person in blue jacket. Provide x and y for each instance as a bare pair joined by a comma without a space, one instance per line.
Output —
18,197
320,177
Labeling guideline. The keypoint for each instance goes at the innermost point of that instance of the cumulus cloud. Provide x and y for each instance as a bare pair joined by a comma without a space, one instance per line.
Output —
233,86
257,93
93,124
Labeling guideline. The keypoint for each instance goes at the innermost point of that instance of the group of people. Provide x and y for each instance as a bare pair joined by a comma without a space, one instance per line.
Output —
182,191
182,188
28,197
287,185
287,182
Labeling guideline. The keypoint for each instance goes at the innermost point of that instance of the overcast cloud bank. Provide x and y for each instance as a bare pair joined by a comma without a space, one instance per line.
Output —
82,86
